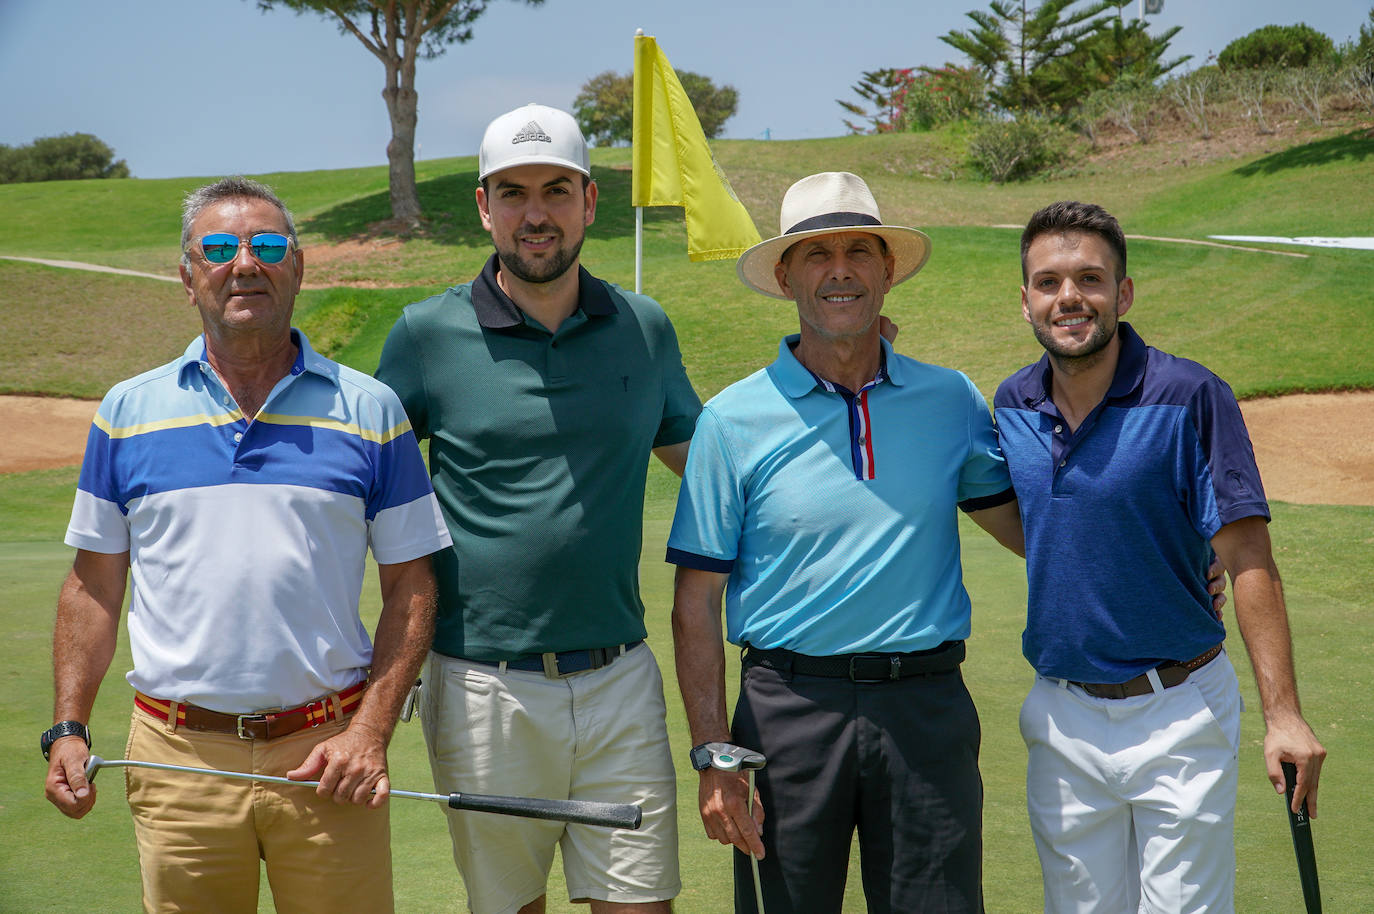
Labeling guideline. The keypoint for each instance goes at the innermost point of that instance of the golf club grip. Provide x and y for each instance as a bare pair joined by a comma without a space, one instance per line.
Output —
584,812
1301,827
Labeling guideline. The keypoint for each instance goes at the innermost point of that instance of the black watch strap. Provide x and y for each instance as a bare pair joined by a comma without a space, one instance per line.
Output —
60,729
701,757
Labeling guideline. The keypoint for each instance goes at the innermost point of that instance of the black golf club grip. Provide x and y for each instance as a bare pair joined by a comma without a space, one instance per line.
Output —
1301,828
584,812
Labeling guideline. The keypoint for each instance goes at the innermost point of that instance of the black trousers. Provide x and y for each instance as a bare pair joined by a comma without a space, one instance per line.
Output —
896,760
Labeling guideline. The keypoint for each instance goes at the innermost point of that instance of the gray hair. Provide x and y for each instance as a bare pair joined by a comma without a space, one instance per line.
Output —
235,188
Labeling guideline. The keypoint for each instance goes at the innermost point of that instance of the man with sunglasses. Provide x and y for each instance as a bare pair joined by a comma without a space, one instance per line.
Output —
241,485
542,391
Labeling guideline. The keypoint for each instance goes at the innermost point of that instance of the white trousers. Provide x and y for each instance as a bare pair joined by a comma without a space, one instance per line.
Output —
1132,801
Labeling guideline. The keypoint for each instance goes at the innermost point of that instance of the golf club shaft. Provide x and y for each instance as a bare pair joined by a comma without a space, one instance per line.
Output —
584,812
754,861
1301,827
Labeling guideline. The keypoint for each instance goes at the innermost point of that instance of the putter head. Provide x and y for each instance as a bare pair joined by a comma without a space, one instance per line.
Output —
729,757
92,766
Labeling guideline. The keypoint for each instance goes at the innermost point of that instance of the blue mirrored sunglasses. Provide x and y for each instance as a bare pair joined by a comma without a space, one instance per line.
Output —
222,247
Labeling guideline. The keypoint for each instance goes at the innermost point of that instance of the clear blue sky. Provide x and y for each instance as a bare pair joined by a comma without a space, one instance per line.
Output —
189,87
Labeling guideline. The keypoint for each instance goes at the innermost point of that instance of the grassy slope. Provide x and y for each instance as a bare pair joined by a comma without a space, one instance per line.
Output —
1250,316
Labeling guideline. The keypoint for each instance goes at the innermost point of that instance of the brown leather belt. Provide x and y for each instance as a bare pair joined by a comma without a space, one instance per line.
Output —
260,724
1170,675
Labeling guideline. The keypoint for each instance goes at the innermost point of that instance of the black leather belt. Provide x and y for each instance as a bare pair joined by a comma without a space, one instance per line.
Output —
563,663
867,667
1170,675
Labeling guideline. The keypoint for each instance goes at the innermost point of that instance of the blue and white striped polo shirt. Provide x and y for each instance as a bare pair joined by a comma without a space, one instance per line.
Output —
247,540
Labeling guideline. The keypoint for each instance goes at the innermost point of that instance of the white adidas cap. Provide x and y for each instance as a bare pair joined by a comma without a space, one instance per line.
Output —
533,135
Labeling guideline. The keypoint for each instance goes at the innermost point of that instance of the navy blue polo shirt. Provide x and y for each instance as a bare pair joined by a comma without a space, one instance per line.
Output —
1119,515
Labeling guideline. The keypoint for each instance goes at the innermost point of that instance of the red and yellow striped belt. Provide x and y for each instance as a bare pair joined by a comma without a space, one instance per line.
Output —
259,724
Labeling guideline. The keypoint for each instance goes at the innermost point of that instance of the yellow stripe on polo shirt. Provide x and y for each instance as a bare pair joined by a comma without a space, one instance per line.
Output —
351,428
161,425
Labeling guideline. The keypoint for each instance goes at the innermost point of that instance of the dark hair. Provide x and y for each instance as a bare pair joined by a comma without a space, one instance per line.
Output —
235,188
1072,216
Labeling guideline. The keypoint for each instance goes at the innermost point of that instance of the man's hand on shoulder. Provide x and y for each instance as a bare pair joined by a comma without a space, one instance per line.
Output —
349,767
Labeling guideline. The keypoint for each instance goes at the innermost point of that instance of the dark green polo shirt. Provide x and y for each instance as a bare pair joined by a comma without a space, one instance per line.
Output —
539,445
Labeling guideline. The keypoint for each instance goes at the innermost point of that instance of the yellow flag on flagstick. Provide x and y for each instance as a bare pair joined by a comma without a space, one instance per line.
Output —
673,165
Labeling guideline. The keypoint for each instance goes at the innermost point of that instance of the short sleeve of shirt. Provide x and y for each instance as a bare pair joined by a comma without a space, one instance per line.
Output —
98,521
404,518
680,402
1226,484
710,503
401,369
984,481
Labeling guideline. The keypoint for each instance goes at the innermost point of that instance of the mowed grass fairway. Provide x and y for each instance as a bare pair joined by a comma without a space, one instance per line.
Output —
1266,322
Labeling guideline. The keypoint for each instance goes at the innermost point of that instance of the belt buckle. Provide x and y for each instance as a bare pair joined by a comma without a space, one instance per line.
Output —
239,721
894,665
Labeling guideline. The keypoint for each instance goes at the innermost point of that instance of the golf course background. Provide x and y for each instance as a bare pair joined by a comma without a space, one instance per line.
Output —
1268,322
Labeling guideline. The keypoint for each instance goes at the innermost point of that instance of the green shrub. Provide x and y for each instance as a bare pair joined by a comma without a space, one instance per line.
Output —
1016,149
69,157
1277,46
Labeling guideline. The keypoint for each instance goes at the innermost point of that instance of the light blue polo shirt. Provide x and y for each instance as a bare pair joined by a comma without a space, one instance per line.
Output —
835,514
247,539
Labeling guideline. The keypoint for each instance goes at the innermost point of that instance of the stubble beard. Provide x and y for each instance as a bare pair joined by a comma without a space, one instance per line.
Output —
1078,356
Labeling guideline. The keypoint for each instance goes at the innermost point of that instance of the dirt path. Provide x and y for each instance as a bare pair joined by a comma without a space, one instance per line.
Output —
1311,448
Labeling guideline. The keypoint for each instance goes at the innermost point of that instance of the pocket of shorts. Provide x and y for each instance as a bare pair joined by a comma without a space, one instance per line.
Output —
1223,711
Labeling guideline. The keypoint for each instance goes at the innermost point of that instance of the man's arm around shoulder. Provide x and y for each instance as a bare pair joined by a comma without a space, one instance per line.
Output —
353,764
1004,523
699,650
1244,548
83,644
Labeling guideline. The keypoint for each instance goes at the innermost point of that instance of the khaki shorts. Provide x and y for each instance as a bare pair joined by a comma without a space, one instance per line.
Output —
200,837
597,735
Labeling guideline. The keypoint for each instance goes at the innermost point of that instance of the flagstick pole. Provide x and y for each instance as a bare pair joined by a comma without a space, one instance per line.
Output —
639,210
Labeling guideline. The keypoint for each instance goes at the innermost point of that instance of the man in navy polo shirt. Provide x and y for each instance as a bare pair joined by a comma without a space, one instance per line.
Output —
820,499
1131,466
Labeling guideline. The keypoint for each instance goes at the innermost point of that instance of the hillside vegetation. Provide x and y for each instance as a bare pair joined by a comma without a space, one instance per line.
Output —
1269,323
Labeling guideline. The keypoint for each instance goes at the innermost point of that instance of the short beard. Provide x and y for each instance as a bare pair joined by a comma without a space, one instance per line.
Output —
1085,354
540,271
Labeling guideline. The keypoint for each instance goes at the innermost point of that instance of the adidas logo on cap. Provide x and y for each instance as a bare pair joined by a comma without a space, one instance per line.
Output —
518,138
531,133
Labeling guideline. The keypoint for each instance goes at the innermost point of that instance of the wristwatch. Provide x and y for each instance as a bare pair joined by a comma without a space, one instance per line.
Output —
701,757
61,729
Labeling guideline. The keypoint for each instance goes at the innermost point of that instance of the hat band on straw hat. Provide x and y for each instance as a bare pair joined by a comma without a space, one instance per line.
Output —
833,220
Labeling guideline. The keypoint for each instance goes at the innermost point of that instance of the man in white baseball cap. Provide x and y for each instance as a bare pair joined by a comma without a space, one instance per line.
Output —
542,391
820,501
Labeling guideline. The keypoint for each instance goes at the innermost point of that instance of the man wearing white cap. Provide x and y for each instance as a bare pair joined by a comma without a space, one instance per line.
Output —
820,500
542,391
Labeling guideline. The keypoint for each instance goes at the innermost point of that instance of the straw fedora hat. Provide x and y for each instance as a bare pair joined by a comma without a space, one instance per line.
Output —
832,201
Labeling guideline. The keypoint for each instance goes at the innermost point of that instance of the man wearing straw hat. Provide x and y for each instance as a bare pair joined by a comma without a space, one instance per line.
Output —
820,501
